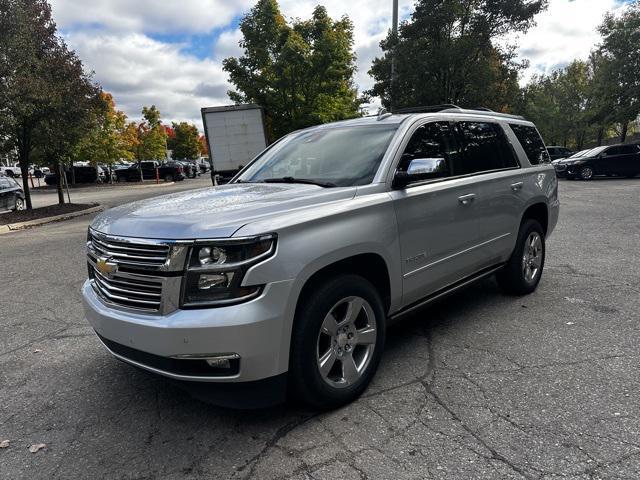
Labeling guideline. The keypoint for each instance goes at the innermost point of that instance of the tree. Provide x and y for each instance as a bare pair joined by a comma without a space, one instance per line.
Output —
620,51
106,141
184,143
42,82
447,53
152,137
301,73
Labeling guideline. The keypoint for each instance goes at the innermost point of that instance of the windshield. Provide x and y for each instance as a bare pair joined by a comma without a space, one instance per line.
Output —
340,156
579,154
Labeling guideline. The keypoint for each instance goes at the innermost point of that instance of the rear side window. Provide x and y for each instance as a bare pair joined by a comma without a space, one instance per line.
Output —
627,149
531,142
485,147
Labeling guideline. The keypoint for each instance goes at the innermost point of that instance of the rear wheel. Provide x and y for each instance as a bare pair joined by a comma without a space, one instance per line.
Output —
522,273
337,341
168,177
586,173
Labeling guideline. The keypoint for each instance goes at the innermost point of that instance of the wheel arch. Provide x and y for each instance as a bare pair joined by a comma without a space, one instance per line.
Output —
540,212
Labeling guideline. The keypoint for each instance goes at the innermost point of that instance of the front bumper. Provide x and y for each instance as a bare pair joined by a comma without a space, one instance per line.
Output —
252,330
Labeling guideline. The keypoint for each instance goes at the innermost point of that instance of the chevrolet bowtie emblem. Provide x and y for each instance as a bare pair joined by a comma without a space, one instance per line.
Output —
106,267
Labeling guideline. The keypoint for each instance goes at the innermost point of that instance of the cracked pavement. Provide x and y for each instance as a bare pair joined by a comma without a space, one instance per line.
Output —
479,386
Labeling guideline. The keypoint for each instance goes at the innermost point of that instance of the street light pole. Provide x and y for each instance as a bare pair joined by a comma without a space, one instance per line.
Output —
394,35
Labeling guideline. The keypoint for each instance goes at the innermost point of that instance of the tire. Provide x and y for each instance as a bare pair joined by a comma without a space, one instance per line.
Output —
20,205
324,334
168,177
586,173
522,273
10,173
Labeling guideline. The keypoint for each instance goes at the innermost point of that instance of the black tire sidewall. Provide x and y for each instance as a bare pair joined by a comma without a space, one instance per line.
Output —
306,381
511,278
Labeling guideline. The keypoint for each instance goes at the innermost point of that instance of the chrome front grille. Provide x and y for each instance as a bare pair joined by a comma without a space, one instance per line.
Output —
127,253
139,292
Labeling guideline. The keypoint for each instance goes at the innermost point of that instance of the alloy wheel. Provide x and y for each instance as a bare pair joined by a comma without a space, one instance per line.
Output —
346,342
20,204
586,173
532,257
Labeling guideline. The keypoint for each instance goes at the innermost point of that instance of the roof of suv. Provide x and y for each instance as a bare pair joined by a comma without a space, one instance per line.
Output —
386,118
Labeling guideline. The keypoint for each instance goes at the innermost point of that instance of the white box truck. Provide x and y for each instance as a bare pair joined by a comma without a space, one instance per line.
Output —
235,135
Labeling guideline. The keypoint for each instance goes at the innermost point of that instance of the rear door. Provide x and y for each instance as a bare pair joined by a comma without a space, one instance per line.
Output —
630,159
490,158
436,218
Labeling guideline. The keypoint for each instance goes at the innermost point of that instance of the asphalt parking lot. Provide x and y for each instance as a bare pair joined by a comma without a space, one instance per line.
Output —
480,386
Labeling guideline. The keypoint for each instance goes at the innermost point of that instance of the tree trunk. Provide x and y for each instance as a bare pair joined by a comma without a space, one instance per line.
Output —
60,172
623,135
600,135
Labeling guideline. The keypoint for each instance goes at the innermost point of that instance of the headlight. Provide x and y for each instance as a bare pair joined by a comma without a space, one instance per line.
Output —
216,269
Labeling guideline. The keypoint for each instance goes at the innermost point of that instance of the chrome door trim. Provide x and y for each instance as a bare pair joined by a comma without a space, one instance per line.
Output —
466,250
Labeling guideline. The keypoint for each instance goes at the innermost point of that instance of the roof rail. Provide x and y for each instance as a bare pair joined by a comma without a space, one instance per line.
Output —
427,108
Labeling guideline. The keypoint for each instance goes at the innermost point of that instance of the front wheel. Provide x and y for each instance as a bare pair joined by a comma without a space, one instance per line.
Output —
337,341
522,273
586,173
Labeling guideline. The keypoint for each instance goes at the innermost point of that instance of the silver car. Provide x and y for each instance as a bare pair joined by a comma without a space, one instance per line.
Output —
284,280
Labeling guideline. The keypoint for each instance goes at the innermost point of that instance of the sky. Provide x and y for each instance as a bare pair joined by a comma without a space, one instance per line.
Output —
169,53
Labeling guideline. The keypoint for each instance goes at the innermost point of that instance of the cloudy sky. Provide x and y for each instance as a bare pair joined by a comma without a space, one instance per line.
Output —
169,52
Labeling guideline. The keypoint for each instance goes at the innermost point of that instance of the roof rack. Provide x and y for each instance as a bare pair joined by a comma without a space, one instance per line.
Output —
427,108
448,107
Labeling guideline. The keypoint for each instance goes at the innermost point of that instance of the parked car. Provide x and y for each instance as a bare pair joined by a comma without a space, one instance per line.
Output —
82,175
287,277
188,168
11,194
619,160
11,171
167,172
556,152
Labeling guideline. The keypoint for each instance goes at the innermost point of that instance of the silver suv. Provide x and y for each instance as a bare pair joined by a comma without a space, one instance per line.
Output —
285,279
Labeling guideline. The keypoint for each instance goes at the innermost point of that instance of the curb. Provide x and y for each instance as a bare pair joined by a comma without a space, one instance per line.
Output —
94,189
12,227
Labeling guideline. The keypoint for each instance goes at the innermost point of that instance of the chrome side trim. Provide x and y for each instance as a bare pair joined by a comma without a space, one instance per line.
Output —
445,291
429,265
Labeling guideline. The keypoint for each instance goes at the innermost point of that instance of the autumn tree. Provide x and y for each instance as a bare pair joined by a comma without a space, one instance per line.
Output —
448,52
184,142
43,86
152,138
301,73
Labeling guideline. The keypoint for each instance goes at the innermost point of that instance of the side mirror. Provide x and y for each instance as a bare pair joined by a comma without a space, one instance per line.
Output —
421,169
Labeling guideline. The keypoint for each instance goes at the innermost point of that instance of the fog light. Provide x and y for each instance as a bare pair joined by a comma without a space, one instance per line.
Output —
214,280
219,362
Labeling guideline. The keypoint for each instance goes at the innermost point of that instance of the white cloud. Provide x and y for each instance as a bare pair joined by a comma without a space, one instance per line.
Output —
567,30
141,71
151,16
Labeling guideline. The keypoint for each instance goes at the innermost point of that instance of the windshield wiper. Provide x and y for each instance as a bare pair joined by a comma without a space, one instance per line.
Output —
299,180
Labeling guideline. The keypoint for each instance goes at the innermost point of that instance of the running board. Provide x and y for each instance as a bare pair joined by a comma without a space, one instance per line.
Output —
439,294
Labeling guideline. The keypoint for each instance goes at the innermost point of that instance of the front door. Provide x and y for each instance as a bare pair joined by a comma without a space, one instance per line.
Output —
436,219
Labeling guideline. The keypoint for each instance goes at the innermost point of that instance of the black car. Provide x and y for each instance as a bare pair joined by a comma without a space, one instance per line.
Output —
80,173
556,152
151,170
620,160
11,195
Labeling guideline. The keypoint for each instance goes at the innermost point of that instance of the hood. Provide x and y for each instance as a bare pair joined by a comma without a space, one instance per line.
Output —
213,212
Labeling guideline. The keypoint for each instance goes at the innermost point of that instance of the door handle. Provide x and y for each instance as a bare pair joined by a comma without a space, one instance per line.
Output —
517,186
467,199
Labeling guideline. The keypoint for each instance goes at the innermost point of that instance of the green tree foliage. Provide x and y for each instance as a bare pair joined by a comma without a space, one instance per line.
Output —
301,73
584,102
185,142
620,53
152,137
45,95
447,53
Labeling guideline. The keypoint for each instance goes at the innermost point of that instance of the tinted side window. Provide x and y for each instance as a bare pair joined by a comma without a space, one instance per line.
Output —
485,147
627,149
432,140
612,151
531,142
